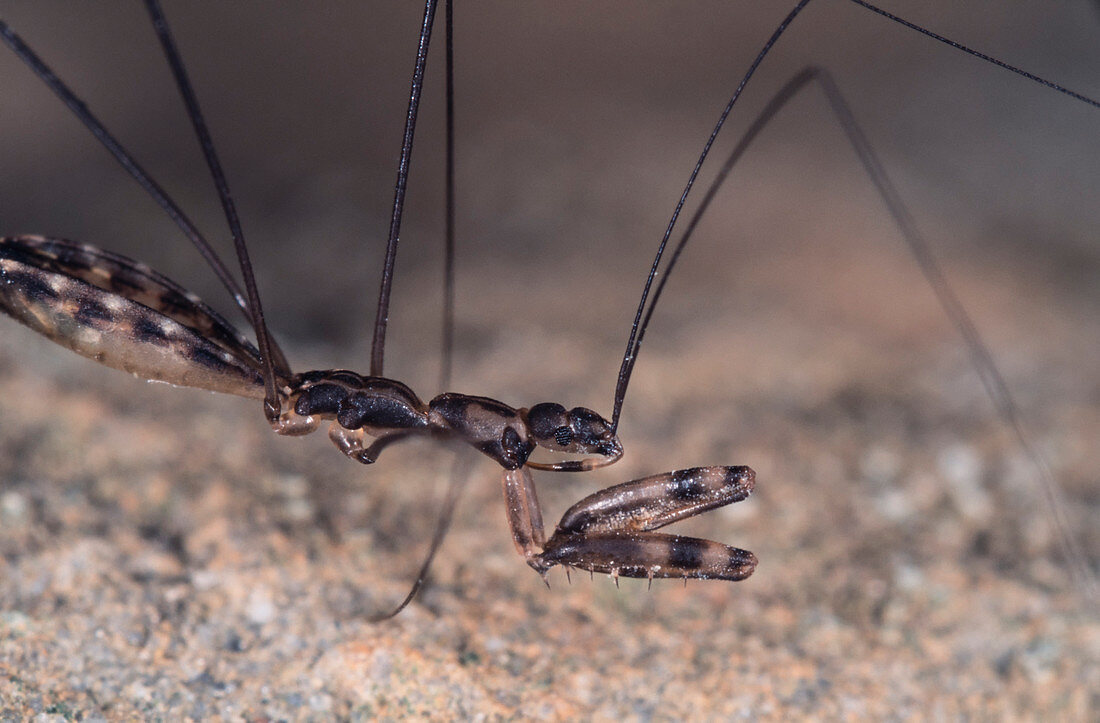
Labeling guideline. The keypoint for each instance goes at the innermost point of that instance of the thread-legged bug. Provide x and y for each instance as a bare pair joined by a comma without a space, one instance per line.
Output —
124,315
345,441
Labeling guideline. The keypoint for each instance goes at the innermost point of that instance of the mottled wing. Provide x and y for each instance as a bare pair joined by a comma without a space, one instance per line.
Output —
124,315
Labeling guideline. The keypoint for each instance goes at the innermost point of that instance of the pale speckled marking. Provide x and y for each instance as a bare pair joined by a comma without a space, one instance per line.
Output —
609,531
646,555
113,330
652,502
139,282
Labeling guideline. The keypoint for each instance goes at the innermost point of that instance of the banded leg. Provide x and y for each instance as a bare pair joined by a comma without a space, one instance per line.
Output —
610,531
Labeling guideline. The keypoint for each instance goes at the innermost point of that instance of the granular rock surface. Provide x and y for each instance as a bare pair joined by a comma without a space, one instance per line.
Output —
163,555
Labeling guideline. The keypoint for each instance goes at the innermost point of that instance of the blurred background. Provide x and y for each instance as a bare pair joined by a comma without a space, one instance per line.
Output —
577,126
797,336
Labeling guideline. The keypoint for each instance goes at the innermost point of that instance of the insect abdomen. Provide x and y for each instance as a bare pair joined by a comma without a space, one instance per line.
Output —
85,299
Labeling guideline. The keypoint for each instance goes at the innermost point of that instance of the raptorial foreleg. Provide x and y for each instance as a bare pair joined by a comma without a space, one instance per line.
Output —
609,531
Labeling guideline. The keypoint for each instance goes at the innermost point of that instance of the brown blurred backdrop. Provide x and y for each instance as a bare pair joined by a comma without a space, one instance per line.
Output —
578,123
904,551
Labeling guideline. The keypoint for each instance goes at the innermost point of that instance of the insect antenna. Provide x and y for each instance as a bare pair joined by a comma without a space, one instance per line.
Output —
80,109
447,357
977,54
259,326
641,316
378,343
980,356
637,329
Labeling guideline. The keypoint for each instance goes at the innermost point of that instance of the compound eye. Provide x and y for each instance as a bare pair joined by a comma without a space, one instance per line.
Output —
546,422
579,431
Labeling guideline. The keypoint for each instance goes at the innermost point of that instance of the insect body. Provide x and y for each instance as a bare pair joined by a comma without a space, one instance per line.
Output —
124,315
152,327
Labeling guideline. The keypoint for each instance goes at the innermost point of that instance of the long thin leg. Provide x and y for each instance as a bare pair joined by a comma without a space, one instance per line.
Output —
459,474
80,109
263,337
378,344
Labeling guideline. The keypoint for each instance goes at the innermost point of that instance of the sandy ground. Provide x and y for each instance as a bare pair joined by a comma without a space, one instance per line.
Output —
162,554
